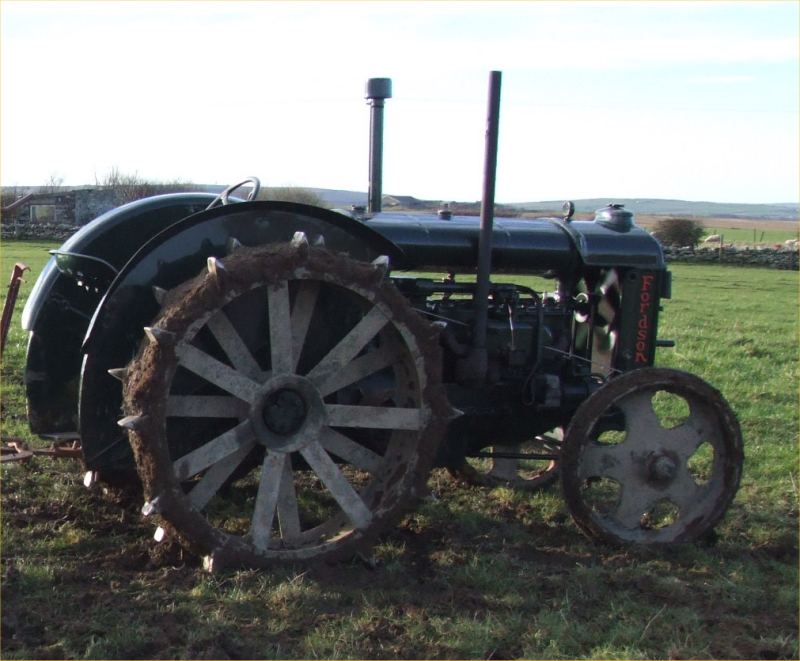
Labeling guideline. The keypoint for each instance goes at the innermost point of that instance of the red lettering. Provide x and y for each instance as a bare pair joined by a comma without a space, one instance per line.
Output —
643,325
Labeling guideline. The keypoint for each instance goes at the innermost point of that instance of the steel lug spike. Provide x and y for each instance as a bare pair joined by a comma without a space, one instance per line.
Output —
158,335
151,507
159,535
233,245
319,242
299,240
215,266
160,294
119,373
90,479
381,263
131,422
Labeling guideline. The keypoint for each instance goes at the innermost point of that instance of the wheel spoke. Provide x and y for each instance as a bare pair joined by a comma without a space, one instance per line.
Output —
302,311
606,461
349,346
683,491
199,406
288,514
216,372
350,451
215,477
280,328
374,417
641,422
337,484
206,455
687,437
360,368
633,503
269,488
233,345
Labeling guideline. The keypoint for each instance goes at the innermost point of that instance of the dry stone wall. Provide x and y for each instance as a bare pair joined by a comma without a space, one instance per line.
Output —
776,258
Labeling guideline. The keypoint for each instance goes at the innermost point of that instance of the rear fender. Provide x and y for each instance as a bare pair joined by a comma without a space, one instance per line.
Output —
175,255
67,293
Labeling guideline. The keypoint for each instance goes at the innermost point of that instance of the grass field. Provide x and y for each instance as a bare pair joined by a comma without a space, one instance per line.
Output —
472,573
742,231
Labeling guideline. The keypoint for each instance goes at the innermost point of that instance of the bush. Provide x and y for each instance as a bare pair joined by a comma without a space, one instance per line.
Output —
678,232
292,194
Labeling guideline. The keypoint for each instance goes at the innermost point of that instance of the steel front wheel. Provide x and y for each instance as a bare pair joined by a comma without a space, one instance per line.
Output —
286,406
653,457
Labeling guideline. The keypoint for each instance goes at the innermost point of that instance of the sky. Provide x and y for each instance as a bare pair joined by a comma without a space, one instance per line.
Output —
671,99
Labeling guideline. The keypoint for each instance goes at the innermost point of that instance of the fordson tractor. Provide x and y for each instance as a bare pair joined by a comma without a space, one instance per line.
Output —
282,378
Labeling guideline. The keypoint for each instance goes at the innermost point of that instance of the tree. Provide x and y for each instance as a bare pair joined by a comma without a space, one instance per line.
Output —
678,232
129,187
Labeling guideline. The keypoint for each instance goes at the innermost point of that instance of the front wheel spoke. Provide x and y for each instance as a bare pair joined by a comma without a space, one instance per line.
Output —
358,369
215,450
233,345
202,406
216,372
280,328
302,311
352,452
349,346
606,461
633,504
642,425
269,488
337,484
690,435
374,417
215,477
683,491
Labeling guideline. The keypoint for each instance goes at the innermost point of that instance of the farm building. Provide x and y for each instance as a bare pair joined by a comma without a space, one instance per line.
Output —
72,207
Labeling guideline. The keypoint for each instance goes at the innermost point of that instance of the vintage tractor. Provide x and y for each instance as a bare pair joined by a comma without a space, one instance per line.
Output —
283,389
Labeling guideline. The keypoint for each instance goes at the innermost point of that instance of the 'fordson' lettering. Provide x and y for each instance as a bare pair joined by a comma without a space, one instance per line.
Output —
643,325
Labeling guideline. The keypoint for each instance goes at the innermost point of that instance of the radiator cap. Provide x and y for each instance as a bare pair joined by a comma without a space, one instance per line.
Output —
615,217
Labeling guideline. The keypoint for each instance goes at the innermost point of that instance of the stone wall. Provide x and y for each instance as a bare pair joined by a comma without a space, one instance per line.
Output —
37,231
776,258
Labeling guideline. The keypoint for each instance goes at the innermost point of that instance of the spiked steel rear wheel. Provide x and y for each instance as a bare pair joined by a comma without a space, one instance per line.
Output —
286,406
652,457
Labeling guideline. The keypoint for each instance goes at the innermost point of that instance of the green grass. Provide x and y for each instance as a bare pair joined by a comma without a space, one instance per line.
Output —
473,573
743,235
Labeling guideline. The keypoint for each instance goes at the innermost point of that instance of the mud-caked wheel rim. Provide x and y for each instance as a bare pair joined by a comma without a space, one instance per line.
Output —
536,467
653,457
285,406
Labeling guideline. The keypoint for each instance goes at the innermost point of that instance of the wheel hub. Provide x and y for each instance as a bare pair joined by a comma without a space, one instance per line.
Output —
288,414
662,468
284,411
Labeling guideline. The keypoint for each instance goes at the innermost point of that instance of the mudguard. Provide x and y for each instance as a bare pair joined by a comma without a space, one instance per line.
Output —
168,259
68,291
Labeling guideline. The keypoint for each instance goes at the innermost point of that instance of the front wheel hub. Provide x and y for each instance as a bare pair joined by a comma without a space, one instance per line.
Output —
662,468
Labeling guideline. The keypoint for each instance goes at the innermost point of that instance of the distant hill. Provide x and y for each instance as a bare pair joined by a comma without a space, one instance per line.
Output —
655,207
344,199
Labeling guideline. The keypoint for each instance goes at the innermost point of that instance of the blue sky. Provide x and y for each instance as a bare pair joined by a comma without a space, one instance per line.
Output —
685,100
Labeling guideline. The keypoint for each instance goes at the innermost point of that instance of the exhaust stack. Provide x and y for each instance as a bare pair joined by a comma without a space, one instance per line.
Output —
378,89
